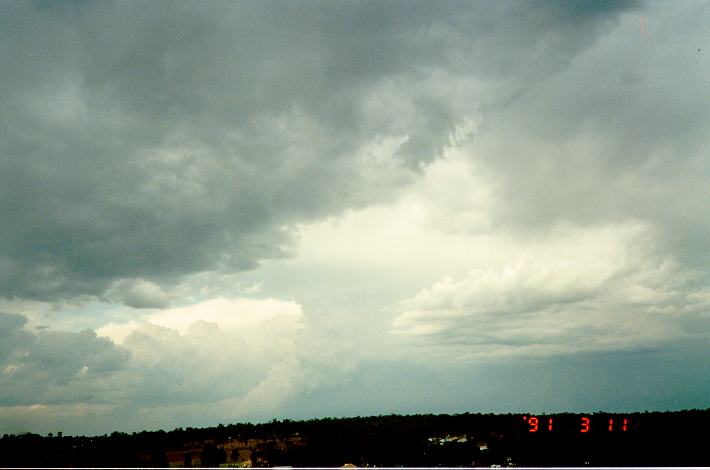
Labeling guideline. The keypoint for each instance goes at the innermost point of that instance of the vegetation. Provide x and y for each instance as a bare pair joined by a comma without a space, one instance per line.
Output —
654,439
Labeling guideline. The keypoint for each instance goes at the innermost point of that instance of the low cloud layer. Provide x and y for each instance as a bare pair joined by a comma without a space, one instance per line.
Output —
55,367
599,289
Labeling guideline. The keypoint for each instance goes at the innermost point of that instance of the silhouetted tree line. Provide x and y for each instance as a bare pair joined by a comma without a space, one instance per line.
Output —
653,439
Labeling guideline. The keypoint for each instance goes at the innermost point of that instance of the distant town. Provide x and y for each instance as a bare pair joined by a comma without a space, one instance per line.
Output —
462,440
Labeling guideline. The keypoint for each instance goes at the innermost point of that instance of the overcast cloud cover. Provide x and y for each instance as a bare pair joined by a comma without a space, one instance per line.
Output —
230,211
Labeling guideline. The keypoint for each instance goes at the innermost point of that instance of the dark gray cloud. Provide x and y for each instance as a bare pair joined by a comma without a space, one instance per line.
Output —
137,293
617,133
156,139
54,367
12,335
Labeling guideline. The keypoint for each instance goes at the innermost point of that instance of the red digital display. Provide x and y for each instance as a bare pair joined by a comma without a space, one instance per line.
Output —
582,424
585,424
533,422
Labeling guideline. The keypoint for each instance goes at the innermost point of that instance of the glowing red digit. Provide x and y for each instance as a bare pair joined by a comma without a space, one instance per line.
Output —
623,428
611,424
585,424
549,424
533,422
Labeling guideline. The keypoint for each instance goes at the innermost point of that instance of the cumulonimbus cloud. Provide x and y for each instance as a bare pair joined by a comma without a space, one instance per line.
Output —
194,142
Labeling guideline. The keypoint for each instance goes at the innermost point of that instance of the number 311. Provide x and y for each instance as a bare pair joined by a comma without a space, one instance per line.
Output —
585,424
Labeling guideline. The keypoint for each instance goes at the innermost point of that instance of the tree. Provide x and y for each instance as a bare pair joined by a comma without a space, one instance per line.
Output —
212,455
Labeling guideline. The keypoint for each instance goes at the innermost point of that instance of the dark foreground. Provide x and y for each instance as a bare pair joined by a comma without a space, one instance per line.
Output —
597,439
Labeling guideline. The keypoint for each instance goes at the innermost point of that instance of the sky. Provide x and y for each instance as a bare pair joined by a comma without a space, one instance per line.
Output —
218,212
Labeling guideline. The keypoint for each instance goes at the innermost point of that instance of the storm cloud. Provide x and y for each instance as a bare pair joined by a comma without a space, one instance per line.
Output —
150,140
247,210
54,367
